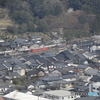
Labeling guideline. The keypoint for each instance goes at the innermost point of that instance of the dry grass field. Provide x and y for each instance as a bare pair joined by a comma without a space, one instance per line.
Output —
4,22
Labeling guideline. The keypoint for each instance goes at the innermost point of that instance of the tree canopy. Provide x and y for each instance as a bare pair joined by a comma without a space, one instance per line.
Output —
29,15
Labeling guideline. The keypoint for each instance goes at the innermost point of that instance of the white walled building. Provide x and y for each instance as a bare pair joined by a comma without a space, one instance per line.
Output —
19,70
16,95
60,95
89,55
96,87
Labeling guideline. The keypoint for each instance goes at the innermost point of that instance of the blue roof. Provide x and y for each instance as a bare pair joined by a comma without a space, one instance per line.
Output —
93,94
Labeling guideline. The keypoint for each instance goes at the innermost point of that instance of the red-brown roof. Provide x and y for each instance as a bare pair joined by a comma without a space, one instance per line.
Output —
1,98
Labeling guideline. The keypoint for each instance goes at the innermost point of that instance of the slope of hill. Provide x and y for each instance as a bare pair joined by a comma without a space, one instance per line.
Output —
22,16
5,21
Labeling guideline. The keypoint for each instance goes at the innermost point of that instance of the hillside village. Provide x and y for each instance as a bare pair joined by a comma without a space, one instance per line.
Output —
33,70
49,49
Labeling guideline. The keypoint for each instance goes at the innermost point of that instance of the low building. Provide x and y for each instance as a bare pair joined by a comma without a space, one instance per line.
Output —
1,40
89,55
97,59
69,77
94,87
19,70
16,95
92,72
19,41
63,84
35,37
60,95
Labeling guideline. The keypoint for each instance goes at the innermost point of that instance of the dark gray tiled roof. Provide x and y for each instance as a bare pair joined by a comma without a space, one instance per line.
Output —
88,42
33,61
95,79
50,59
38,58
7,64
19,40
51,78
62,82
83,66
98,57
85,48
39,82
13,74
14,60
32,72
79,83
92,65
81,88
4,86
70,68
62,71
5,44
80,56
25,58
69,55
68,76
48,63
97,64
35,36
48,54
61,57
58,65
98,52
92,72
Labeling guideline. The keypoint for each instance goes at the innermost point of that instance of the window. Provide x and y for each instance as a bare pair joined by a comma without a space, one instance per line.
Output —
98,89
68,97
93,87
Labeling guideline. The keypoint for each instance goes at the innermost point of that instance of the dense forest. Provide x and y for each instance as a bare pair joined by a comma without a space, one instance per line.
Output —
40,16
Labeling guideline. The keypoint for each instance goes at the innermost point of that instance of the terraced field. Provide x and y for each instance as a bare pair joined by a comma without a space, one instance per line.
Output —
5,22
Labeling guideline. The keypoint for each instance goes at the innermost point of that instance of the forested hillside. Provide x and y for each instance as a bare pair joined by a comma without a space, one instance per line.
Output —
51,15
